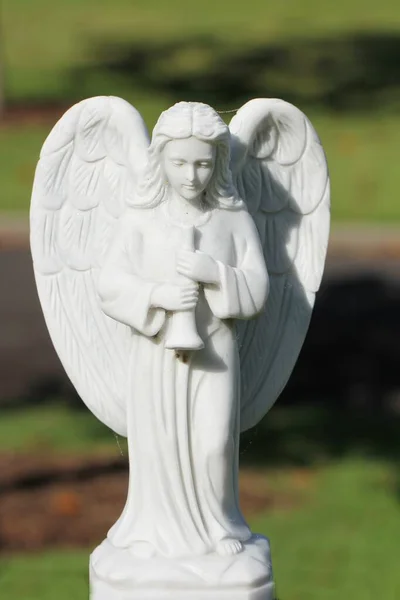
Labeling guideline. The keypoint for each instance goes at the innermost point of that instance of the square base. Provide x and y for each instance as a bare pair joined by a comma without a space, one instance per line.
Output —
100,590
116,574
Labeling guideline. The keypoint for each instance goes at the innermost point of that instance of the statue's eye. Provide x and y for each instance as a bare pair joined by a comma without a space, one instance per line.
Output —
205,164
178,163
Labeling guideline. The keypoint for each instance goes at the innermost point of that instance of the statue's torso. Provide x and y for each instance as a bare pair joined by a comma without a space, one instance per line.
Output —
157,240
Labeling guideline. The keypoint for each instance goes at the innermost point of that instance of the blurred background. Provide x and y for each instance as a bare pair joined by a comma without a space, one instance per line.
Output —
320,475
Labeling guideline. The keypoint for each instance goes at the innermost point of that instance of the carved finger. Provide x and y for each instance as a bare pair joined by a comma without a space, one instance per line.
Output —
190,296
190,301
185,272
181,268
182,264
189,291
189,304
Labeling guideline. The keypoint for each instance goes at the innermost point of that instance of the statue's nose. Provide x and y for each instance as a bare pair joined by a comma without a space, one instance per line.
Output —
191,173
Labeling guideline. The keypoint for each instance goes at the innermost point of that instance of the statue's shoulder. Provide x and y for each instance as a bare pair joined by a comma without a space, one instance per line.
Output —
235,220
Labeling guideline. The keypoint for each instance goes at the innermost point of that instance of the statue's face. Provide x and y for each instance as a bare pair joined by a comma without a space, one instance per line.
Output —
188,166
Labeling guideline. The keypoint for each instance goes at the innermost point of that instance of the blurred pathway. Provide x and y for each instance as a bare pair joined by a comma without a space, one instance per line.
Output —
363,268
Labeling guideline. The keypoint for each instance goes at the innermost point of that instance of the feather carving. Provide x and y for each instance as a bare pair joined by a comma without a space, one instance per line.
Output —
280,170
87,163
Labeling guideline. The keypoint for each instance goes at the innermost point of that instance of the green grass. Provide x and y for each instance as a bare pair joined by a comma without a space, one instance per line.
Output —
343,543
55,429
338,539
61,575
48,35
45,42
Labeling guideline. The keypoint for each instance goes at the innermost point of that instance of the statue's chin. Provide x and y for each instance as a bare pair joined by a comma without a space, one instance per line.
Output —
193,196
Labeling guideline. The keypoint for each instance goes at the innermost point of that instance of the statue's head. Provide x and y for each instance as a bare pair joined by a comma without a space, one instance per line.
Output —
190,152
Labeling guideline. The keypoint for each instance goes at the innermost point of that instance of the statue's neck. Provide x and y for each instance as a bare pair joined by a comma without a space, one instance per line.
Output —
184,210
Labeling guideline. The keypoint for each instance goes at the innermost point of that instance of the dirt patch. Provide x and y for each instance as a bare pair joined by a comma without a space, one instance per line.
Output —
48,502
28,114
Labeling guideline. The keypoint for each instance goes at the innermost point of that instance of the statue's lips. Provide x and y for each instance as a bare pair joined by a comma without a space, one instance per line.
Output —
190,187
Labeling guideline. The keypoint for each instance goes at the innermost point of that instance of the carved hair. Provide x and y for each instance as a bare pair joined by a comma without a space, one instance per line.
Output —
183,120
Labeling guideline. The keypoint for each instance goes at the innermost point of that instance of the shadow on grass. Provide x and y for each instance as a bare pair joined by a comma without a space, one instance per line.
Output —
349,72
343,396
311,435
346,72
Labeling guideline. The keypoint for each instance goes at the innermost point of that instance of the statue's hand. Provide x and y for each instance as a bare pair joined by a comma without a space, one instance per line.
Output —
175,297
197,266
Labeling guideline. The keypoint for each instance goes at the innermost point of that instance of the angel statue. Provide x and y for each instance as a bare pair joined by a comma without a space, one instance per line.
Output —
151,259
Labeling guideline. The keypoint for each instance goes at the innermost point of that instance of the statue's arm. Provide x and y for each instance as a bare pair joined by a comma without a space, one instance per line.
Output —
124,296
242,289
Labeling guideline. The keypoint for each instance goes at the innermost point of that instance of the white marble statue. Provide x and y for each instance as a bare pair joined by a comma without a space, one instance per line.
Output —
151,264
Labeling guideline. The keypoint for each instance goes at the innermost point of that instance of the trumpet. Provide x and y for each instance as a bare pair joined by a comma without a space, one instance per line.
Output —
182,333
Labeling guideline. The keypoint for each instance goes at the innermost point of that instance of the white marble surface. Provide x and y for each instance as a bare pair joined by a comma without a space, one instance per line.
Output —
245,576
151,260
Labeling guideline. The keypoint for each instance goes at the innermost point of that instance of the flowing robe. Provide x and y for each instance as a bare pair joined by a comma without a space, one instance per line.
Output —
183,416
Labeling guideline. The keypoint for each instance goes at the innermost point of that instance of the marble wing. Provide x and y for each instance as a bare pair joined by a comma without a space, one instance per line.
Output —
84,179
280,170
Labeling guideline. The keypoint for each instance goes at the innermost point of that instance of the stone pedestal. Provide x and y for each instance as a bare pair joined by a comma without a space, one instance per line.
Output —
115,574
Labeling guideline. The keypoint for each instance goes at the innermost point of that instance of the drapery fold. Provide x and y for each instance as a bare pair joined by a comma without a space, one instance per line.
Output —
183,416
